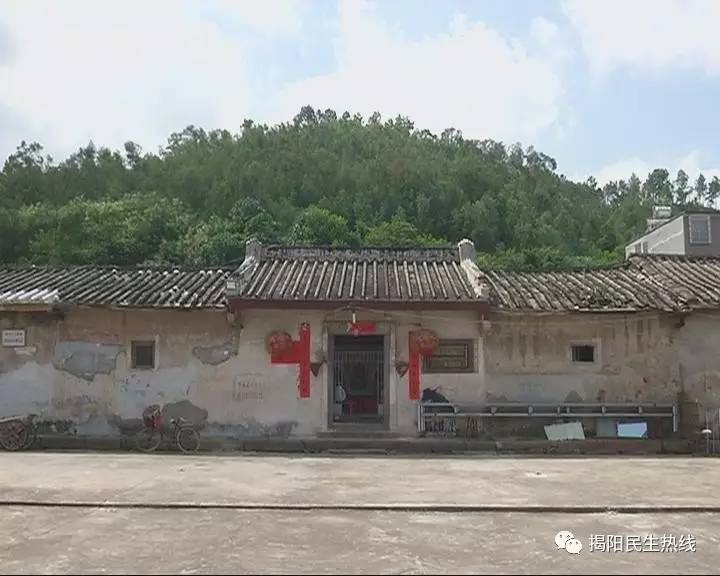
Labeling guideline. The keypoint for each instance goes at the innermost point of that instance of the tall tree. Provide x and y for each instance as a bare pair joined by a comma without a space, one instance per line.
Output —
682,191
700,189
713,191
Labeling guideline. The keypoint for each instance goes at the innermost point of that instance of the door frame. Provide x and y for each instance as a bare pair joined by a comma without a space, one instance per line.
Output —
339,328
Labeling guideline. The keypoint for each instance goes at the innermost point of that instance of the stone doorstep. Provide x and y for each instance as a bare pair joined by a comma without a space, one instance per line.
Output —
361,445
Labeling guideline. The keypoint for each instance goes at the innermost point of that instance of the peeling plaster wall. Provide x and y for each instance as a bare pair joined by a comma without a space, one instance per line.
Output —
217,374
263,398
75,371
528,358
698,347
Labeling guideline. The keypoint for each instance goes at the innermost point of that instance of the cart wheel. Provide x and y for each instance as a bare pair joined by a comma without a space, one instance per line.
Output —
13,435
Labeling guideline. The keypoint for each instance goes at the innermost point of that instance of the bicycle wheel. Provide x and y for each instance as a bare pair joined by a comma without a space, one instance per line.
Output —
31,437
188,440
13,435
148,440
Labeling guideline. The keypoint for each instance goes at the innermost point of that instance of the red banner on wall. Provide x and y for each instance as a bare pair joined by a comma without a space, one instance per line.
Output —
414,368
299,353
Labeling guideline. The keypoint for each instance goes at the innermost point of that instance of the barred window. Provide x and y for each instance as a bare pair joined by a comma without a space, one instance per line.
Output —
143,355
583,353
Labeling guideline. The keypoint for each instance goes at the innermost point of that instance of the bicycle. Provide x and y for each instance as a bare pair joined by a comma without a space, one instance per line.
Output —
152,435
18,433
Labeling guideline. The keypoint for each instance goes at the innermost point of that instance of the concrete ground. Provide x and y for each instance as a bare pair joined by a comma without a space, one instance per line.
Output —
123,513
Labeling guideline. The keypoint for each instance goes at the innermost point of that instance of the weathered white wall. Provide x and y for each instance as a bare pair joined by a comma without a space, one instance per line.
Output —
528,358
698,353
461,387
75,371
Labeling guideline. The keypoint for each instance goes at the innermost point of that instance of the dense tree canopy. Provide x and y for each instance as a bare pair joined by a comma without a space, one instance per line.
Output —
320,179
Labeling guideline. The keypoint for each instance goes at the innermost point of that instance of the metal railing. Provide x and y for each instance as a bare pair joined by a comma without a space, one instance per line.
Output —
712,423
442,417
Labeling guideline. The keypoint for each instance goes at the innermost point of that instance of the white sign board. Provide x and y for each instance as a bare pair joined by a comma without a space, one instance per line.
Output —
566,431
13,338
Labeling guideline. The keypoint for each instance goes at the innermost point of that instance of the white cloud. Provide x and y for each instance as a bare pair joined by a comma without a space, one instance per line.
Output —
691,163
543,30
77,70
470,78
648,33
276,17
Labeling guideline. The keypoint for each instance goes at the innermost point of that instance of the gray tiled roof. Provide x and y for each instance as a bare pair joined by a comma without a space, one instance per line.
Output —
146,287
280,274
694,281
609,289
423,276
644,282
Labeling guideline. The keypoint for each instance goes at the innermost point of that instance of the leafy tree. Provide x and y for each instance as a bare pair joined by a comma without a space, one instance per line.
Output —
657,188
713,191
399,232
320,227
700,189
325,177
214,241
682,191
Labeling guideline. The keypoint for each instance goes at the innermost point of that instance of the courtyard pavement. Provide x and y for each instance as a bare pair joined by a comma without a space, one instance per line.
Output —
166,513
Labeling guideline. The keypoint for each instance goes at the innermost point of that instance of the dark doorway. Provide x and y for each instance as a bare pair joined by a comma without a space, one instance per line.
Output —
359,379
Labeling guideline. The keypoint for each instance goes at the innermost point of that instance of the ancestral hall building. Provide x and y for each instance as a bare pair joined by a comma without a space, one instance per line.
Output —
303,341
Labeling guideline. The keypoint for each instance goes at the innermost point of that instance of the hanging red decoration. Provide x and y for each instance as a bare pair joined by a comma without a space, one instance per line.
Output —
278,342
426,341
361,328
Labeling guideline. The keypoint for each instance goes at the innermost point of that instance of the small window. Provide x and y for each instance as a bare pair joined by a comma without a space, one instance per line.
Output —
583,353
451,356
143,355
699,229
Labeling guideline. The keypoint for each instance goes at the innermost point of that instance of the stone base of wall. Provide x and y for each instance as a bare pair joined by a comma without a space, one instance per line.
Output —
407,445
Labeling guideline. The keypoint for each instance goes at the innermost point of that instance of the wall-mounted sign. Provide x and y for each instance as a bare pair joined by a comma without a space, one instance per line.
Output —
248,387
13,338
451,356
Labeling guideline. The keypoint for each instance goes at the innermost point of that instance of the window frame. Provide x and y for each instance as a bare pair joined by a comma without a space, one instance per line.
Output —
469,343
133,354
705,218
576,345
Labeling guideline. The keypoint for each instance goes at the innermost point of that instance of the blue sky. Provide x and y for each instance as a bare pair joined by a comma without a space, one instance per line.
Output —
606,88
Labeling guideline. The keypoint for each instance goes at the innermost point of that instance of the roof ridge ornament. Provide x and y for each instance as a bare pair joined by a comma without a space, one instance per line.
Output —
238,279
468,262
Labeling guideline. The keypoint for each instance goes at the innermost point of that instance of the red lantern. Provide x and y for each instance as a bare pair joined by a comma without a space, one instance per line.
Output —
278,342
426,342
